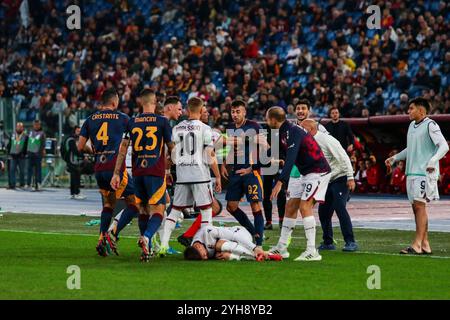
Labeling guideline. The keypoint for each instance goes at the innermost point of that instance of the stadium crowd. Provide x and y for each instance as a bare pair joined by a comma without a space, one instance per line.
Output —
267,52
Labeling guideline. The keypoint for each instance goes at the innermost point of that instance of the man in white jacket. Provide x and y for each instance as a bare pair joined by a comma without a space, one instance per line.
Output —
425,146
341,184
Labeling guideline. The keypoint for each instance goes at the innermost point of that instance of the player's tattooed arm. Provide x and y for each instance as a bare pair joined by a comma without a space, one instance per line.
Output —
115,181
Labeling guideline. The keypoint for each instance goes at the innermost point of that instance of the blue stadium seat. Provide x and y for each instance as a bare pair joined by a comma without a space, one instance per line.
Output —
414,55
371,33
331,35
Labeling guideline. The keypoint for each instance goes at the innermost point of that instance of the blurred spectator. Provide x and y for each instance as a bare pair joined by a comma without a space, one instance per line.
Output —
361,177
398,178
4,137
376,104
373,176
445,173
267,51
403,82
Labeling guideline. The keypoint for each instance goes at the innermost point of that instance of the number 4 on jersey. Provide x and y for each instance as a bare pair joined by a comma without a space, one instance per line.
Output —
102,134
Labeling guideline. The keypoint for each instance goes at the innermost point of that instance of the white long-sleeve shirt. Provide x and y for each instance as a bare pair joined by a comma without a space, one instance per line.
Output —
336,156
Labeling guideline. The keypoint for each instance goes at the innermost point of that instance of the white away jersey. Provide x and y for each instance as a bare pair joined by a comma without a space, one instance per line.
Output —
209,235
191,138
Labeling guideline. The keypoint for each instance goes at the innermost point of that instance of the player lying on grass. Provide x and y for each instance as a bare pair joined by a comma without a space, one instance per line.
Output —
226,243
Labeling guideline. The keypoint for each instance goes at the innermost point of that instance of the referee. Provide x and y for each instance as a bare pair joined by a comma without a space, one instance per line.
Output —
340,185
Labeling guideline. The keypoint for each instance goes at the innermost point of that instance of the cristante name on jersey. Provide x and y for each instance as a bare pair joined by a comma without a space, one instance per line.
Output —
102,116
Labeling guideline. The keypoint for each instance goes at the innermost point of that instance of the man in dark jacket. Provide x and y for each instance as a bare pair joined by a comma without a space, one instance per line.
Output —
74,160
340,130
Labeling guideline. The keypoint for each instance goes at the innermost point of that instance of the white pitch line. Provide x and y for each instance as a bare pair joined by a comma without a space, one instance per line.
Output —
402,255
130,237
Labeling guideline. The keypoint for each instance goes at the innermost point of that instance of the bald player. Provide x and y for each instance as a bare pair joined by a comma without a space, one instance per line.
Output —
341,184
303,151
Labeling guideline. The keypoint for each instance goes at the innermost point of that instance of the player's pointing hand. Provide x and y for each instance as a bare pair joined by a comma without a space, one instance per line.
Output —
389,162
276,190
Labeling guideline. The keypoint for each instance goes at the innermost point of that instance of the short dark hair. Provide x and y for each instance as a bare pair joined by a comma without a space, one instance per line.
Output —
171,100
420,102
146,95
331,109
108,95
238,103
305,102
146,92
190,253
277,113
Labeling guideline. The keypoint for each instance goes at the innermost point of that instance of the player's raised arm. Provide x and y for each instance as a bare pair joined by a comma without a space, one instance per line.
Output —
115,180
396,157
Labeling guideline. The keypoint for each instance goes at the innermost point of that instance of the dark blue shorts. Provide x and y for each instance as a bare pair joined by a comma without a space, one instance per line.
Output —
249,185
126,186
150,189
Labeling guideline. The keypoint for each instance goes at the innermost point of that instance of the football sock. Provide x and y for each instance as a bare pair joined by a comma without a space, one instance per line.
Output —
115,221
169,226
153,224
161,228
309,224
242,218
127,215
286,231
259,227
142,222
190,233
206,215
105,219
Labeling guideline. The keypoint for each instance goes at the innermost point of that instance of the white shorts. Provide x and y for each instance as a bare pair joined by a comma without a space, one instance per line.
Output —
313,185
186,195
416,188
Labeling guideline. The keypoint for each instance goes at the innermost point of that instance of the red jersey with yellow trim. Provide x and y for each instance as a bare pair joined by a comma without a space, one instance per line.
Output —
105,129
148,133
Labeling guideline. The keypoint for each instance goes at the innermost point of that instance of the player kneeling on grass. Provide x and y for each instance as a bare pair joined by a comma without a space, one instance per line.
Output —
226,243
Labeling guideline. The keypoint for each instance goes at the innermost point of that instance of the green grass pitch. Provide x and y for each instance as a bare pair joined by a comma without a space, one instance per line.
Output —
35,251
